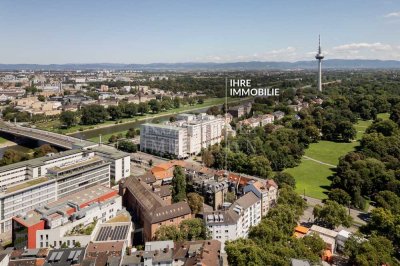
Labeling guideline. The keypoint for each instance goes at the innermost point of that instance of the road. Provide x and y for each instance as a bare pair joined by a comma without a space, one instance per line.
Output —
359,217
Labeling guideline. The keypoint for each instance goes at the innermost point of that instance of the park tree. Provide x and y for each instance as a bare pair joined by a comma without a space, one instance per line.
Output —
260,166
131,133
131,109
346,130
377,250
41,98
168,232
114,112
385,127
395,114
189,229
281,178
143,108
207,157
340,196
11,156
385,223
178,185
177,102
195,202
113,138
93,114
43,150
388,200
288,196
213,110
154,105
68,118
331,215
193,229
127,146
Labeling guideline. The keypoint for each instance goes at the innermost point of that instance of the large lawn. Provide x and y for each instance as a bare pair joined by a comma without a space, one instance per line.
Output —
313,177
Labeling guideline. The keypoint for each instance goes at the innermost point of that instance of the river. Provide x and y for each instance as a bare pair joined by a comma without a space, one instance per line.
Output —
87,134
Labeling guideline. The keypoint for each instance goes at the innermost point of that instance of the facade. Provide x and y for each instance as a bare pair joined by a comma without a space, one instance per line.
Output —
59,223
120,162
187,136
236,221
258,121
266,190
240,110
39,181
164,139
150,209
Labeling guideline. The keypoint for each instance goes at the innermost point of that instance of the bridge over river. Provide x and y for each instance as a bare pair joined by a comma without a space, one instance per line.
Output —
63,141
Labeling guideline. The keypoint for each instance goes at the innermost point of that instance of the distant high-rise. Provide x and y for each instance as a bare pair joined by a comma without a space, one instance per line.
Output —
319,56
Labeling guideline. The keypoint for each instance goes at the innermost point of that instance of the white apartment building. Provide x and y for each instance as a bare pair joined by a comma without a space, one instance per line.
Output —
235,222
164,139
187,136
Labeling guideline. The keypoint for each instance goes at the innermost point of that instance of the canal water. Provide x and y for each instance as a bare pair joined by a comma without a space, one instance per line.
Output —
87,134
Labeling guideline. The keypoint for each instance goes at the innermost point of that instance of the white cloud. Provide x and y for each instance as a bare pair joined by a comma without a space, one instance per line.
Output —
392,15
363,45
365,50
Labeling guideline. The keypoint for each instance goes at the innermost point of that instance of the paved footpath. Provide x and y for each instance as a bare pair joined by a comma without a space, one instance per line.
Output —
312,159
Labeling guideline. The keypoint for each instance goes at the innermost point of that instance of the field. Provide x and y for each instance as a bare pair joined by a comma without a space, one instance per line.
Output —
319,162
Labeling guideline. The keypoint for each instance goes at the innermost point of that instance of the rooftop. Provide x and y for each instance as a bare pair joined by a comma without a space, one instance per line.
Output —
65,257
113,232
246,200
26,184
110,152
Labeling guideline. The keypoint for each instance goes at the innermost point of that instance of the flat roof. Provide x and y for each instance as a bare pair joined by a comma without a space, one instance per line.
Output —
113,232
26,184
39,161
76,165
81,198
176,128
110,151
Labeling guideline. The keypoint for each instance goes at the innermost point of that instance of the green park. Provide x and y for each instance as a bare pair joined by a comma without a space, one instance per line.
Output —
320,160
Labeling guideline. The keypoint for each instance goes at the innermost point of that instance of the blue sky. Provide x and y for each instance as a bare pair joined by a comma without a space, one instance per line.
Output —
131,31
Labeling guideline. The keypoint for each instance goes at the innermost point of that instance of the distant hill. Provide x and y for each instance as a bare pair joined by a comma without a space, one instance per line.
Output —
255,65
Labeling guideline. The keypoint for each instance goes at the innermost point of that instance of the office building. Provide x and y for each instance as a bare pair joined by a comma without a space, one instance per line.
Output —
65,222
30,184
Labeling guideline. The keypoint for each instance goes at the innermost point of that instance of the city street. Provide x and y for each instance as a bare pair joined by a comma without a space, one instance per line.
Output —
359,217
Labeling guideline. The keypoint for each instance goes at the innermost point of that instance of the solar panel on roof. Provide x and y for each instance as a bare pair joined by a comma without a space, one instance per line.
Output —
77,254
59,255
53,255
71,255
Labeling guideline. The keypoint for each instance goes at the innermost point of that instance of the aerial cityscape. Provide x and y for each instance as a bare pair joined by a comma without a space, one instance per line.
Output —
186,133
